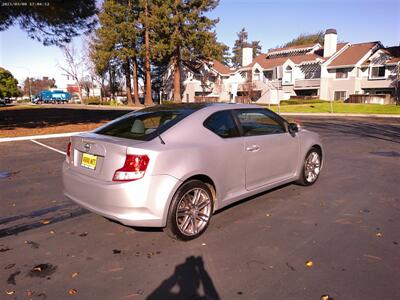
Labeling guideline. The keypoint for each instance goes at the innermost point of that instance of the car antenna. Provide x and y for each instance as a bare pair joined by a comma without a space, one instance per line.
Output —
159,136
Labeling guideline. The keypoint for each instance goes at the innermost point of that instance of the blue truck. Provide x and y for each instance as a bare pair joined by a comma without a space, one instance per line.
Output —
55,96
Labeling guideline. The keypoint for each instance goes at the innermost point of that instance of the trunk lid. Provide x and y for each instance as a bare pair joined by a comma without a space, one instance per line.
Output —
99,156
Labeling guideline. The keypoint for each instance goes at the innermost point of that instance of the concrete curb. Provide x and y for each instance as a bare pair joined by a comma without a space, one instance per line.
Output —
38,137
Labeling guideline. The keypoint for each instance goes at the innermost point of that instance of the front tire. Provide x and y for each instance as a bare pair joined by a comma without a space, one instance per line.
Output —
311,167
190,211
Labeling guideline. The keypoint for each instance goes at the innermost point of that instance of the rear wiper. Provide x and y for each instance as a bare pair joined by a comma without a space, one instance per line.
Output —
159,136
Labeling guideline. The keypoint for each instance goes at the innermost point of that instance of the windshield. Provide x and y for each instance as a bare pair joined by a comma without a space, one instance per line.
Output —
144,125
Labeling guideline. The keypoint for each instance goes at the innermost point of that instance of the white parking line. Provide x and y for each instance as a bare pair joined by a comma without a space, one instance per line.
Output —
37,137
48,147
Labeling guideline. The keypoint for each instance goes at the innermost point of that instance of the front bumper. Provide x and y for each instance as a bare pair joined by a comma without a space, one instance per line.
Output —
144,202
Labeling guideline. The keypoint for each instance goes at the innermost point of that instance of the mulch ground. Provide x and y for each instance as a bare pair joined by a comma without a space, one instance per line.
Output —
35,121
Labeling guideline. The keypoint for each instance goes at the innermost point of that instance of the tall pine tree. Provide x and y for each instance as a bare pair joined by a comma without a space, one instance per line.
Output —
184,32
240,43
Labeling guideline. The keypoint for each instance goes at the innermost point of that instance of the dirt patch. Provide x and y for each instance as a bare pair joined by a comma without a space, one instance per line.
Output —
36,121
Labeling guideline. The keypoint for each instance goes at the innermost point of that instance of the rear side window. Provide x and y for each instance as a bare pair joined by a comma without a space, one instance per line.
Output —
222,124
259,122
143,126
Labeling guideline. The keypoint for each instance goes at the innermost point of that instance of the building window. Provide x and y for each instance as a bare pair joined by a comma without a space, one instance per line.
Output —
342,73
288,75
340,95
377,72
256,74
268,74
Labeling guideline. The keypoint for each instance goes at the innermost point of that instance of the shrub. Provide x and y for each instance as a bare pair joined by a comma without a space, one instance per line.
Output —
302,101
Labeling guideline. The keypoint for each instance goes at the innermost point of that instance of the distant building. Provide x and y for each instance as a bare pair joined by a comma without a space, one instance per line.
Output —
332,71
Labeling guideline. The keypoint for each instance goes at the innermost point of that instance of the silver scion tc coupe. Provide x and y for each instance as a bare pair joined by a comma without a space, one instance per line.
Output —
173,166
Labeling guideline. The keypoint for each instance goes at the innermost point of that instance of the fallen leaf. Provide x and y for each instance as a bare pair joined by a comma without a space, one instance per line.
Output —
74,275
83,234
203,244
29,293
268,215
379,235
309,263
325,297
72,291
372,257
45,222
10,292
52,232
37,269
116,251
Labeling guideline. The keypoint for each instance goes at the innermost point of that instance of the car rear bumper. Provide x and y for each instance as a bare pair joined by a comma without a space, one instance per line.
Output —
144,202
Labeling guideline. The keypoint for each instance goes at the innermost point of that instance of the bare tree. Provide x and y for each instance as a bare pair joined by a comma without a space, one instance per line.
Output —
73,66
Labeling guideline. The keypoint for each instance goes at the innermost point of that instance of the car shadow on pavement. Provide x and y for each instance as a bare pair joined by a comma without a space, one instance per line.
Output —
189,281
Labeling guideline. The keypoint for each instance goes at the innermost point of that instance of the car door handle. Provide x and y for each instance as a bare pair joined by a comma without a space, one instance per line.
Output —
253,148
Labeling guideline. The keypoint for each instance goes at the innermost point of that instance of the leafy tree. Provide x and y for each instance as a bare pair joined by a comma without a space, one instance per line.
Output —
306,39
242,42
8,84
54,23
182,31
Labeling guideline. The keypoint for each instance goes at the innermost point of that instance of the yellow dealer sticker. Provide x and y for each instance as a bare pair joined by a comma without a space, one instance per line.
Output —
89,161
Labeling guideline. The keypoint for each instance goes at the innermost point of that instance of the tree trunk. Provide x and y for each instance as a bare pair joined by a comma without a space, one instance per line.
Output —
128,82
135,81
177,79
148,97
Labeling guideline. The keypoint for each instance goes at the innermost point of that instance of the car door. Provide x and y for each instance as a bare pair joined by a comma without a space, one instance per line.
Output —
228,154
271,152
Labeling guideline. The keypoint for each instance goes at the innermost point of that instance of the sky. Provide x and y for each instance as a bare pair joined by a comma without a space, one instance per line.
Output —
272,22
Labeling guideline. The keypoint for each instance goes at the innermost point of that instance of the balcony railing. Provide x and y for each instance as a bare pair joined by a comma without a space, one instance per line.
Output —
307,83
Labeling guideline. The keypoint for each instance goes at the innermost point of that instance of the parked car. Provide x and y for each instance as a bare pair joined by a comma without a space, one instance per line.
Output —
2,102
173,166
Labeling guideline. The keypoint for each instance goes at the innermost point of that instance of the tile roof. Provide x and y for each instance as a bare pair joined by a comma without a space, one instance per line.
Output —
268,63
220,67
352,54
394,52
292,47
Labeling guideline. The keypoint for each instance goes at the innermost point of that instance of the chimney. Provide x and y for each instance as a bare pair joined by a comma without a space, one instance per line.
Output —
247,56
330,42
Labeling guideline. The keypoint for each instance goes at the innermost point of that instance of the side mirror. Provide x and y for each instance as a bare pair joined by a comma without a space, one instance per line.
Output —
293,128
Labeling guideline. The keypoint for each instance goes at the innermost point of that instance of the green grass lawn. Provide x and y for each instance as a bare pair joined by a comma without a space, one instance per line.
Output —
339,108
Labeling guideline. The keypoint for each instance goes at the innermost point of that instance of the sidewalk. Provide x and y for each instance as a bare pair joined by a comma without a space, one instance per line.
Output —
341,115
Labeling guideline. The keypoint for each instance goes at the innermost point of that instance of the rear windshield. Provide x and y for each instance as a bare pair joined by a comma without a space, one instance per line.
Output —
144,125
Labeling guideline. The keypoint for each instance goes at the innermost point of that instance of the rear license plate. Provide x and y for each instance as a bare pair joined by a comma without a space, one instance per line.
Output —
89,161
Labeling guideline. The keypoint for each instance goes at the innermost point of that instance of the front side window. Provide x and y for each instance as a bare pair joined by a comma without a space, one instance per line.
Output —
259,122
377,72
222,124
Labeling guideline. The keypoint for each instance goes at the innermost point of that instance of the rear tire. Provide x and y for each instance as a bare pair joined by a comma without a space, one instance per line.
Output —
190,211
311,167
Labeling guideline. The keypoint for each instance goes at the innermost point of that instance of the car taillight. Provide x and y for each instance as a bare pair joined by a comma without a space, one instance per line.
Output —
68,157
134,168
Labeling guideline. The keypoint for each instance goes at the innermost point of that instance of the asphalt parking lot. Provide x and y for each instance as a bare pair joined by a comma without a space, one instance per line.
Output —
347,225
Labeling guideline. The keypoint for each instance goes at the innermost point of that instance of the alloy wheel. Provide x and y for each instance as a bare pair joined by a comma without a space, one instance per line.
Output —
193,212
